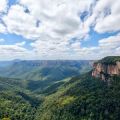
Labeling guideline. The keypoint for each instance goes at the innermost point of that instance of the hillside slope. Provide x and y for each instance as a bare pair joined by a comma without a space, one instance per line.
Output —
16,102
41,74
45,69
83,98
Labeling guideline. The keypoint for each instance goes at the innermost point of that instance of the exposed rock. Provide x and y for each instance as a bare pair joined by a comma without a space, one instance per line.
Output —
105,71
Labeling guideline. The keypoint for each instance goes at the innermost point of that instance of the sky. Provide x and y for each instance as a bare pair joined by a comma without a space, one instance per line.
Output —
59,29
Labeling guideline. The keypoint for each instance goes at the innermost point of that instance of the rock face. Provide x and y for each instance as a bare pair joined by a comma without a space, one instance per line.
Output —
105,71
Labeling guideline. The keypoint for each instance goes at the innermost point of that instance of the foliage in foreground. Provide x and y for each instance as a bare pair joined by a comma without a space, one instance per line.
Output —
83,98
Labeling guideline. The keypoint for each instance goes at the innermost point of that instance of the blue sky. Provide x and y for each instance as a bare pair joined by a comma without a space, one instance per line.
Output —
54,29
12,2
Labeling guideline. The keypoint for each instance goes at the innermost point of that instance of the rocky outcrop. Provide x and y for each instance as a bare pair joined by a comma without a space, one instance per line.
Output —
105,71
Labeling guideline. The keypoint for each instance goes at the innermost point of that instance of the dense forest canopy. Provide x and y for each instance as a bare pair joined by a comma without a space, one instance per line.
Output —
80,97
109,60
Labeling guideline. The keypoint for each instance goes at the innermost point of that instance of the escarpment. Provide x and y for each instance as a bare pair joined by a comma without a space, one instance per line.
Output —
106,68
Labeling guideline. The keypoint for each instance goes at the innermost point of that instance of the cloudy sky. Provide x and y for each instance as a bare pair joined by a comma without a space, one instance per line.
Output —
59,29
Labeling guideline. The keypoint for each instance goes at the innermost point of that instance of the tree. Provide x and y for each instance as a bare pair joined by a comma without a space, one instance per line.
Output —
6,119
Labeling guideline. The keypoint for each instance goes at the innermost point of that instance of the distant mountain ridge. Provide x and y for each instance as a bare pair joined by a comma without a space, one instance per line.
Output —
18,68
82,97
42,73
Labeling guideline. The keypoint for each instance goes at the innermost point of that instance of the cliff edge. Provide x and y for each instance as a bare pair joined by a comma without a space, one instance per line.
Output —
106,67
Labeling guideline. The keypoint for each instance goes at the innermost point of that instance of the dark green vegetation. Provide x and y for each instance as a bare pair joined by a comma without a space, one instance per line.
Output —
109,60
72,98
24,84
16,107
38,75
44,69
83,98
16,102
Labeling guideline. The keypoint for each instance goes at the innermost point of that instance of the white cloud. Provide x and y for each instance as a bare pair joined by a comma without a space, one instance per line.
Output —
107,14
20,23
51,24
12,48
2,28
111,42
107,46
21,43
13,52
2,40
3,6
58,19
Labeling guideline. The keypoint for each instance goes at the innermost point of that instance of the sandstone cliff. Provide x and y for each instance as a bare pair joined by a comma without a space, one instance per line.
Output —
104,70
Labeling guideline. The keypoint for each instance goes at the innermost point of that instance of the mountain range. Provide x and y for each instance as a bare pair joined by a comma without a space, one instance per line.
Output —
40,74
76,96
